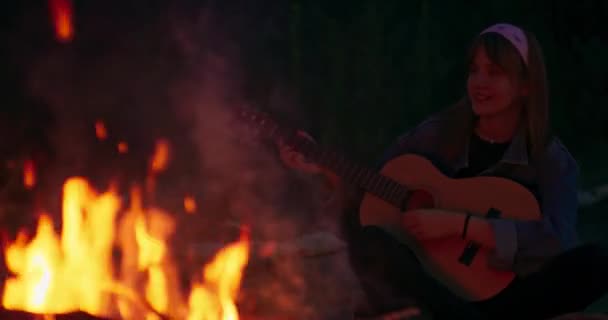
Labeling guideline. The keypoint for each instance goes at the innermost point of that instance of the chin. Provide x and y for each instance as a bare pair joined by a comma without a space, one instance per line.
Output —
485,110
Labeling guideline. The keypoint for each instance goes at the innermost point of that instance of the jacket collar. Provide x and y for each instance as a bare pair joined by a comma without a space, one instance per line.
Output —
516,153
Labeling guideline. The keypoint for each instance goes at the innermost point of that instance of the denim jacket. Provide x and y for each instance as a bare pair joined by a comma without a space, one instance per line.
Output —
521,246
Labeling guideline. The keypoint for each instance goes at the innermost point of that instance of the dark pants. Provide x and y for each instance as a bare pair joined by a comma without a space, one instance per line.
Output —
392,279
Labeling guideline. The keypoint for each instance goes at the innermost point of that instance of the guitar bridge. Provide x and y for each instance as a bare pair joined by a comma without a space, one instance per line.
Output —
468,254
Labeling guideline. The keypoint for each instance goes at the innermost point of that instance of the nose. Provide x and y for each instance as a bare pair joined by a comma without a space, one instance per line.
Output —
479,80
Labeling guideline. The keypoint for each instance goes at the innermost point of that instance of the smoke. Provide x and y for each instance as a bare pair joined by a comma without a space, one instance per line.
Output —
245,183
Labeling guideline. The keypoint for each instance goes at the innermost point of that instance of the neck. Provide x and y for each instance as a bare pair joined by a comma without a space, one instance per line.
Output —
499,127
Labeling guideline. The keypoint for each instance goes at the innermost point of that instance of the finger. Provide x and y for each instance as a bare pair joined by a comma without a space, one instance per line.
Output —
282,141
289,158
302,159
297,160
286,151
305,134
284,147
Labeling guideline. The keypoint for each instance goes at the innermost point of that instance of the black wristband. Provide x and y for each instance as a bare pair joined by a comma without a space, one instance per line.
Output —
465,226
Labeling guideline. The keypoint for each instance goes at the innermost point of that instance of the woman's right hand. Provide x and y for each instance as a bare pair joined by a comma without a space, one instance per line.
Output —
296,160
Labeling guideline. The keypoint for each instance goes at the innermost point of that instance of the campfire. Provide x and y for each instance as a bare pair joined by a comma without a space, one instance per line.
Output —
78,269
108,252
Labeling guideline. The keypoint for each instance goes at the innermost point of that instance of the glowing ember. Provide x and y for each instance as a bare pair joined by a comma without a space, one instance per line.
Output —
158,163
123,147
267,249
100,130
61,13
189,204
161,156
29,174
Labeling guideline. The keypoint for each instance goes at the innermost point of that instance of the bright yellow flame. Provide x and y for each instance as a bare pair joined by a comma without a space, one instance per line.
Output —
34,265
29,174
151,254
214,298
189,204
151,250
68,273
144,237
100,130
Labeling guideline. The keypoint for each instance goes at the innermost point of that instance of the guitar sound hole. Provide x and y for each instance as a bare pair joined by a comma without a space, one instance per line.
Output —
419,199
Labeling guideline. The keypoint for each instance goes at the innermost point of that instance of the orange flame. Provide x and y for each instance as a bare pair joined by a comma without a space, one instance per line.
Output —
214,299
123,147
29,174
158,163
100,130
189,204
160,159
61,13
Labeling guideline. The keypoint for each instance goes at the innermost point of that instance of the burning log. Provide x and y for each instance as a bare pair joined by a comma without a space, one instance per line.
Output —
22,315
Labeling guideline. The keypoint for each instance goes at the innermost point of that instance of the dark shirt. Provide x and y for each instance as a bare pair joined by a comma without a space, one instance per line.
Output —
482,155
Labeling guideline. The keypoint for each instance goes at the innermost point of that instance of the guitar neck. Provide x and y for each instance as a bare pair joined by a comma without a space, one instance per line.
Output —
377,184
369,180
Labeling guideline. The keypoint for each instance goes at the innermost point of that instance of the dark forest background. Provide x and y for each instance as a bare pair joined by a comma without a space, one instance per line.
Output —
353,73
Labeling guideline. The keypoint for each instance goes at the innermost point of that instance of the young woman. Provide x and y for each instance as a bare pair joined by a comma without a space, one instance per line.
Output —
500,128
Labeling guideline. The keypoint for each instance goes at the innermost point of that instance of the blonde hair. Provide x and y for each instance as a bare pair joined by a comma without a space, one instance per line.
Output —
533,75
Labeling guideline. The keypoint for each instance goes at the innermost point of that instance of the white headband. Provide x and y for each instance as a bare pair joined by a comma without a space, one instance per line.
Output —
514,34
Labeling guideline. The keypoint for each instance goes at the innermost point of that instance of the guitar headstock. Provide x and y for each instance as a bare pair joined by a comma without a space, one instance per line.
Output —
259,123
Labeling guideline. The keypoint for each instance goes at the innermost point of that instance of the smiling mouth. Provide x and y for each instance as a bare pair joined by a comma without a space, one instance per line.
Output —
479,97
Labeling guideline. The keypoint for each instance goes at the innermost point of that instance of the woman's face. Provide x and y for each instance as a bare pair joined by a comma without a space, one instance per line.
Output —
490,88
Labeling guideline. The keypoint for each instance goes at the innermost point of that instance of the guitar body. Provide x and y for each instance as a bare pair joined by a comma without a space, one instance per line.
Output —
476,195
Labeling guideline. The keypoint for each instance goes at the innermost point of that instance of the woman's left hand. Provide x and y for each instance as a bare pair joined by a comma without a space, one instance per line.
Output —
427,224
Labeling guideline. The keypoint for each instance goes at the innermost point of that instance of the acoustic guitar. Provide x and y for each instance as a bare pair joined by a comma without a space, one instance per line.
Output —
410,181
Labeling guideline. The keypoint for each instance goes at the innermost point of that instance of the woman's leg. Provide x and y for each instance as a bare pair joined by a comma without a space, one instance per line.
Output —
393,279
568,283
